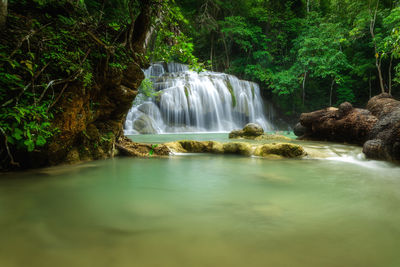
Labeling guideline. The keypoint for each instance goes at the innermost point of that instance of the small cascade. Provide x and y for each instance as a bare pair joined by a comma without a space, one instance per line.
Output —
188,101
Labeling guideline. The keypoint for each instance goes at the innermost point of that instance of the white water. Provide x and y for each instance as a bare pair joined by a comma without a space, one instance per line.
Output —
195,102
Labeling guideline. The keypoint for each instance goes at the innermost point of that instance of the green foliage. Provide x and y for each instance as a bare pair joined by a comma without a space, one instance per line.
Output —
171,44
27,127
285,47
146,88
151,152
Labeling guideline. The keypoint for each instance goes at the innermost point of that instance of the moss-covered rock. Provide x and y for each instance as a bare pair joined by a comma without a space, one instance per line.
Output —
275,137
250,131
238,148
129,148
190,146
286,150
273,151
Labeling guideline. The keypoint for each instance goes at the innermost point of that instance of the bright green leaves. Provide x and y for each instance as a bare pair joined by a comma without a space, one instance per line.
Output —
26,126
146,88
245,35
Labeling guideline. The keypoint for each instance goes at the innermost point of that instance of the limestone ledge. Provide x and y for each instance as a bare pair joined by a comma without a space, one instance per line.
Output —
273,150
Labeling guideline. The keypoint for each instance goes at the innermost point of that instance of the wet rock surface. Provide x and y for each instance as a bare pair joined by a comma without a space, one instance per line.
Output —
253,131
127,147
377,127
274,150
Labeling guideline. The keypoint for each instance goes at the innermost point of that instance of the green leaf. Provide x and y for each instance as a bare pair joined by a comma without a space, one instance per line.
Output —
17,134
30,145
41,141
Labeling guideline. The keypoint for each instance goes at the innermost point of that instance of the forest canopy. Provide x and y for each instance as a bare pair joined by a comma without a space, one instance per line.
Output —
305,54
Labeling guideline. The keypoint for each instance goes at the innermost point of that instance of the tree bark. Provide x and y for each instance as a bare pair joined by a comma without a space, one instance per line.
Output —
3,13
142,26
304,86
378,59
212,51
390,75
226,51
331,92
370,86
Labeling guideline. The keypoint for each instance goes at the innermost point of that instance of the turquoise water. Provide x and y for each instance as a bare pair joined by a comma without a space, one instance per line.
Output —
204,210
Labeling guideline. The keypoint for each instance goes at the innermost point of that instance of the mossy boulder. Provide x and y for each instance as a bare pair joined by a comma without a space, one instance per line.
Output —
186,146
238,148
275,137
250,131
129,148
286,150
274,150
190,146
253,129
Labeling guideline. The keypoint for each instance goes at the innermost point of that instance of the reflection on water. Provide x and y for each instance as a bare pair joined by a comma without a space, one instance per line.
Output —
205,210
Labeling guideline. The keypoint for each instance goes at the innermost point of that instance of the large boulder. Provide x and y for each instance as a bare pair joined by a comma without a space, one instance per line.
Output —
253,129
343,124
299,130
377,128
144,125
384,137
250,131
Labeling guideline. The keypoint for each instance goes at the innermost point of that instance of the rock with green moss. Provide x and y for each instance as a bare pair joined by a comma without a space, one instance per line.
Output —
273,151
190,146
274,137
250,131
286,150
238,148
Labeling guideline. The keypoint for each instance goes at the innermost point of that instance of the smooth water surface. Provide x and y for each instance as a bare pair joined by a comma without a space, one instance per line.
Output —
204,210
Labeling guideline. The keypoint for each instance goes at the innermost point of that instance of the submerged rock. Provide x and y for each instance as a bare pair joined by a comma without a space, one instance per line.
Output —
275,150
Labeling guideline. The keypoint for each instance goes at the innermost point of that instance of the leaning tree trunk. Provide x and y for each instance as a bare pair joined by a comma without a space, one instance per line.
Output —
3,13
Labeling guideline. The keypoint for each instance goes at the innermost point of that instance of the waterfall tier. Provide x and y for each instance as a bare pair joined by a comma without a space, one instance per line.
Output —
188,101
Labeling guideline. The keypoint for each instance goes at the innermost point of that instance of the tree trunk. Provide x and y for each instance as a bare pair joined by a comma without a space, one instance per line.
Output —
378,59
3,13
212,51
304,86
142,26
370,86
226,51
330,95
390,75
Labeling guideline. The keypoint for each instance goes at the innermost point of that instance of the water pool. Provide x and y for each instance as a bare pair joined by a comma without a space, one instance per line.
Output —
204,210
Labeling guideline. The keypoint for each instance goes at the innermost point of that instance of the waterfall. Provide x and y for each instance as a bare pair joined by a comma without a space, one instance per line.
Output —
188,101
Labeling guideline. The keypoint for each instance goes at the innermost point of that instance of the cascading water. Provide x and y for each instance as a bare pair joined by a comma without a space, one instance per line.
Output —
188,101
